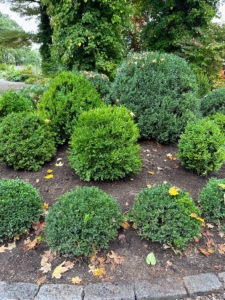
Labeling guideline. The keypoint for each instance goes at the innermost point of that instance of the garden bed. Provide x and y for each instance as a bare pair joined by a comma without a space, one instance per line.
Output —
159,167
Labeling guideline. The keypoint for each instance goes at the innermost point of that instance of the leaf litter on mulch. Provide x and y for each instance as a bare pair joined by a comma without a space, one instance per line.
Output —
30,260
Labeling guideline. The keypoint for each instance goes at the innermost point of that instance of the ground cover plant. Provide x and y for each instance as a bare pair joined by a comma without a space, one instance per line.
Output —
66,98
160,89
104,145
26,141
20,206
201,146
82,221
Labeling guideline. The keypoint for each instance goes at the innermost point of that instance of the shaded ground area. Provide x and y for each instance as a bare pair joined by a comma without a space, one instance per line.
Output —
20,265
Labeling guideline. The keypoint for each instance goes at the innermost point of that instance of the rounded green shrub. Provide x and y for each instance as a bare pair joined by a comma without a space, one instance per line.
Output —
20,206
201,146
11,101
99,81
104,144
211,200
26,141
213,103
160,89
163,214
219,119
81,221
66,98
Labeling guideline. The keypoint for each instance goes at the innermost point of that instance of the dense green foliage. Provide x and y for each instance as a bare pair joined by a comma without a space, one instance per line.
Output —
213,103
87,35
219,119
165,218
11,101
66,98
99,81
201,146
167,22
104,144
211,200
26,141
203,84
20,206
35,91
160,89
81,221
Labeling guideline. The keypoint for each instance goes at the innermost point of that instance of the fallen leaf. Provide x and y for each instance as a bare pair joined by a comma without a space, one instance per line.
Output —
45,206
204,251
165,246
197,239
125,225
150,259
210,243
69,265
209,225
58,159
155,150
59,270
206,232
32,245
221,234
151,173
99,272
169,263
49,176
3,248
221,185
60,164
221,248
38,227
122,238
47,121
149,186
193,215
117,259
41,280
11,246
76,280
175,166
49,171
173,191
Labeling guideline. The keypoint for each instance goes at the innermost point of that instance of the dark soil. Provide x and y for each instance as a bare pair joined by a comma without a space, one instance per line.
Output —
21,265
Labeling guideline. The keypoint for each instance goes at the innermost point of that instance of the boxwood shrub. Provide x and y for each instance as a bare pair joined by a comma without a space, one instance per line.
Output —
160,89
211,200
165,218
26,141
82,220
66,98
11,101
201,146
104,144
213,103
20,206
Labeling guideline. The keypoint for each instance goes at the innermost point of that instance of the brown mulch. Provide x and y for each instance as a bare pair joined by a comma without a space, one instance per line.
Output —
21,265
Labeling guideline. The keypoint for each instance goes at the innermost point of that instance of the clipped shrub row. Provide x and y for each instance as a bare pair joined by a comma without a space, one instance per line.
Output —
86,219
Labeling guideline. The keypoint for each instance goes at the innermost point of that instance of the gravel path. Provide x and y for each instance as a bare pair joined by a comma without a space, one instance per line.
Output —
5,85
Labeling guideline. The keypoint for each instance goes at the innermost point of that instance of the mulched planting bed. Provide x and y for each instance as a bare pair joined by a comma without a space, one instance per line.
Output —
128,259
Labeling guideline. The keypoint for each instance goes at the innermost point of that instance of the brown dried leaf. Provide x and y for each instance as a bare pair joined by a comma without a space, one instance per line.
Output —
151,173
41,280
221,234
197,239
125,225
210,243
206,232
221,248
69,265
118,260
204,251
209,225
32,245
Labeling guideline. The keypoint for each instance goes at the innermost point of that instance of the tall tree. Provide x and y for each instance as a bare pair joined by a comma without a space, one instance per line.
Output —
87,34
35,8
167,22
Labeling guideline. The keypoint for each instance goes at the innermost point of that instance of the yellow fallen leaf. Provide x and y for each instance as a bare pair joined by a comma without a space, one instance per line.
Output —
173,191
49,171
47,121
149,186
45,206
11,246
49,176
60,164
204,251
99,272
154,60
151,173
193,215
221,185
59,270
3,248
16,237
162,59
76,280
